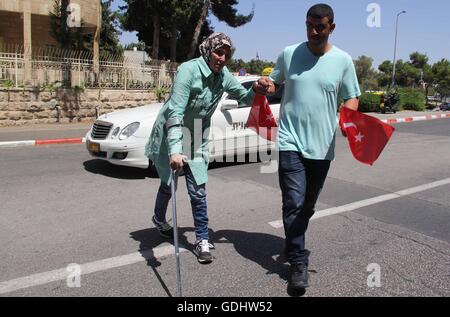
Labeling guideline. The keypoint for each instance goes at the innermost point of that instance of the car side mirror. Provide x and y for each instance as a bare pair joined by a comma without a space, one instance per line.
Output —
229,104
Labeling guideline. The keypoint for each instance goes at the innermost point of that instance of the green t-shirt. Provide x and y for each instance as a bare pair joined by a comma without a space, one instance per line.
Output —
313,87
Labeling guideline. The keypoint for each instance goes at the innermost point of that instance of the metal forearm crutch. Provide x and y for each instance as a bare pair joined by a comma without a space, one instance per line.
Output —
171,122
173,180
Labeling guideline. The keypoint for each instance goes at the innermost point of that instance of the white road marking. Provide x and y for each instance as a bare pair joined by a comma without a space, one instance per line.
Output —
367,202
91,267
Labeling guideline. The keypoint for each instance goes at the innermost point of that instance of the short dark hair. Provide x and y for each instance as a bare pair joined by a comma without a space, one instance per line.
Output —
321,10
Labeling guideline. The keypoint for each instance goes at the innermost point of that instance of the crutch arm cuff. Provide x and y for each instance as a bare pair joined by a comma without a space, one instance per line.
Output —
173,122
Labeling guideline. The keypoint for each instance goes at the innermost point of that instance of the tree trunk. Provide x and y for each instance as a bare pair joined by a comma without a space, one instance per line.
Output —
173,44
156,31
198,28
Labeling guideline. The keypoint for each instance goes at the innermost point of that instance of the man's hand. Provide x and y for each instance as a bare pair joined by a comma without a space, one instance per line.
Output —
177,161
352,104
264,86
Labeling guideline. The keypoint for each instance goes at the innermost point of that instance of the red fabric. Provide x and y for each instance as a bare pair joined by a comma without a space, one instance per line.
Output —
366,135
261,118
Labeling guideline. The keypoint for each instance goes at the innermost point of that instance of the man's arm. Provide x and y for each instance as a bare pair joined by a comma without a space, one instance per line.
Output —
352,103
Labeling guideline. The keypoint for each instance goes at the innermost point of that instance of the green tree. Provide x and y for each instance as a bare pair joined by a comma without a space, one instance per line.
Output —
441,76
406,75
174,21
367,76
418,60
386,69
224,11
109,31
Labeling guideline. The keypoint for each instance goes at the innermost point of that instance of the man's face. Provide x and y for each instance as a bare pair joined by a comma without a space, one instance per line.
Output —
318,30
219,58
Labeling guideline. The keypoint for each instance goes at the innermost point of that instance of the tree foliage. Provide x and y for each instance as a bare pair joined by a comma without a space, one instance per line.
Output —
178,21
254,66
367,76
441,77
109,33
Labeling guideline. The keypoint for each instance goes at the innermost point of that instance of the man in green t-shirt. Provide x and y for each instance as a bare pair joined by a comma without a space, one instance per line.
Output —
316,75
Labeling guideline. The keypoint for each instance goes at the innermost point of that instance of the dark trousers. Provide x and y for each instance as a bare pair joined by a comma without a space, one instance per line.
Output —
197,195
301,181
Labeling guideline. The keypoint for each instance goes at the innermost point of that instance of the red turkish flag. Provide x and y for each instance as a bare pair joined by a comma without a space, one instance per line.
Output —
366,135
261,118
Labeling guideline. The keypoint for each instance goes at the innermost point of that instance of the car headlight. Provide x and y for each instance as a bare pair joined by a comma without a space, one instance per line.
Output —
129,130
115,133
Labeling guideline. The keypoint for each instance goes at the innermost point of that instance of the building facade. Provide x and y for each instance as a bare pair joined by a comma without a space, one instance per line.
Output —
26,23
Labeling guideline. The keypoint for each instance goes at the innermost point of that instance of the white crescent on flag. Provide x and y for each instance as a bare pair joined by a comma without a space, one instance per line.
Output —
349,125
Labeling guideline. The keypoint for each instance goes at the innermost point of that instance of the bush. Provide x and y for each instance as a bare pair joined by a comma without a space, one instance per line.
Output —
369,102
411,99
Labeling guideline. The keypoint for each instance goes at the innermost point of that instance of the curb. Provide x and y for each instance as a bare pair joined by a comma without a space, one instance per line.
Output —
11,144
420,118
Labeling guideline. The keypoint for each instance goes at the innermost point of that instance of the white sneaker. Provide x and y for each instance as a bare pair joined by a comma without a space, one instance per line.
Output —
202,251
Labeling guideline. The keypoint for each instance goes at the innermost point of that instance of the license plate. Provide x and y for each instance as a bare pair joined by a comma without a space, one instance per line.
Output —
94,147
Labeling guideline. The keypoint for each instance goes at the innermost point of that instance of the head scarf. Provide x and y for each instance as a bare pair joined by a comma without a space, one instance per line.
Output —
214,42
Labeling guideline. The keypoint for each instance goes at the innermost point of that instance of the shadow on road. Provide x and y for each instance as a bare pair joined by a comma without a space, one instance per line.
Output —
261,248
149,239
102,167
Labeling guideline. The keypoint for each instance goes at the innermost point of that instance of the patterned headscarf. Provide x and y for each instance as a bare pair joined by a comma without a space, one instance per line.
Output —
214,42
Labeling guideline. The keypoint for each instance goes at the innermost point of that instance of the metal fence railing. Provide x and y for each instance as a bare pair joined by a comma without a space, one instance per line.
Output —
42,66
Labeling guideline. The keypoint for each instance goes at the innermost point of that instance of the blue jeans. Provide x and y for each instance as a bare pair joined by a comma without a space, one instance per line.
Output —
301,181
197,195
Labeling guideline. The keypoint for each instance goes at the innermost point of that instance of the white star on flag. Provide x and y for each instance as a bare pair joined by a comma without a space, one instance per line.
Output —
269,117
359,137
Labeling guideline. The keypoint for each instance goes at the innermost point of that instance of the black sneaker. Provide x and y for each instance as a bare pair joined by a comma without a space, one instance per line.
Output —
299,276
201,249
164,229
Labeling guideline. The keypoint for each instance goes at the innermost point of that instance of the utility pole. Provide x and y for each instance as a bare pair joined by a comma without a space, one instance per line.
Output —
395,48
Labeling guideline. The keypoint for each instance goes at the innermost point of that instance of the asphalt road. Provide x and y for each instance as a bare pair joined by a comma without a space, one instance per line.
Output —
60,206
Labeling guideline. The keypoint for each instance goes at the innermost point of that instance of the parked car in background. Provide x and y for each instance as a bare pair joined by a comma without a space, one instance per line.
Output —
445,106
120,136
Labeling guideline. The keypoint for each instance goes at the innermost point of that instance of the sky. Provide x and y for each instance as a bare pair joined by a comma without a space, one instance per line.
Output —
279,23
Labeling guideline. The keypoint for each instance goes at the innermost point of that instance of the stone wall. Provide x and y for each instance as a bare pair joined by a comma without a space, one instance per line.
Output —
19,107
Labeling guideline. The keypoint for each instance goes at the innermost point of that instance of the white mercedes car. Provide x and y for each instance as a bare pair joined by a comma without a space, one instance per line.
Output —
120,136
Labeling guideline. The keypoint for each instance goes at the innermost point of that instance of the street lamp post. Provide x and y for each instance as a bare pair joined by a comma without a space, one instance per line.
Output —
395,48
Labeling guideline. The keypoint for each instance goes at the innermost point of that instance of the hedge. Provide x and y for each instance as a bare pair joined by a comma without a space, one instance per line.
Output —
369,102
411,99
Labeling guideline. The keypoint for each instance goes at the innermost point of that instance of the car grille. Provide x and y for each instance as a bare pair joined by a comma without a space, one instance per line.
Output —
101,129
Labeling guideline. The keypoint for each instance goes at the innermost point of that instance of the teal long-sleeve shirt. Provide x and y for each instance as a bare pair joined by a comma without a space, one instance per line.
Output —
195,95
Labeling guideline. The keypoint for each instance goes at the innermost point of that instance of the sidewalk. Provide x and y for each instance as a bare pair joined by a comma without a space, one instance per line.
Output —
29,135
